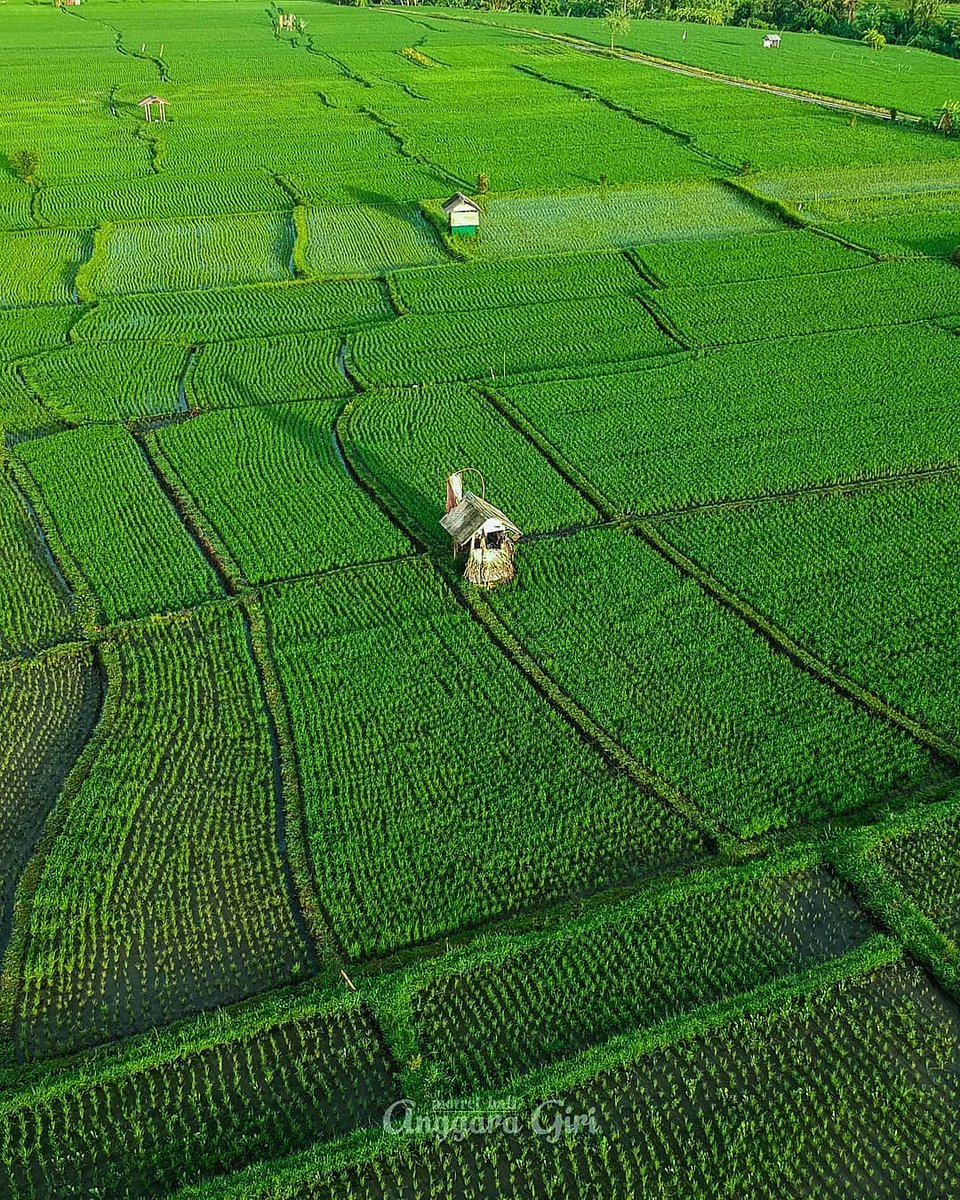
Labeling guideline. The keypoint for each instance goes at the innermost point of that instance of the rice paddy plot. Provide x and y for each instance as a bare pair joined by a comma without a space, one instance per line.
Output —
119,381
38,267
517,226
886,293
27,330
419,823
150,256
742,259
850,184
162,894
743,421
122,546
694,694
466,287
225,314
366,240
14,205
891,214
863,579
910,235
501,342
520,153
207,1100
267,371
34,604
153,197
441,429
48,706
387,180
282,134
514,1004
923,858
737,126
905,77
21,412
272,493
515,120
864,1063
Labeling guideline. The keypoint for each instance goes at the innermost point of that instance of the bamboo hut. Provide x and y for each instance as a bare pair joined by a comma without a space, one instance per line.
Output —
486,532
149,103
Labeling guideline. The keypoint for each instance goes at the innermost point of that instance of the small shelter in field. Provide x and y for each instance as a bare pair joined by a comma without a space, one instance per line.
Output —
488,534
462,213
771,41
70,3
286,21
148,103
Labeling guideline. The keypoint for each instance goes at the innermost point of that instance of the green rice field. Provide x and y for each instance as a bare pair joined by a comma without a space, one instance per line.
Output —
327,872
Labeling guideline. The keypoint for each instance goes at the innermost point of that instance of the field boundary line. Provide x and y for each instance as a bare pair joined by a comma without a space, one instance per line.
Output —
292,840
686,140
838,488
589,729
826,331
542,445
220,562
854,858
666,324
778,209
780,640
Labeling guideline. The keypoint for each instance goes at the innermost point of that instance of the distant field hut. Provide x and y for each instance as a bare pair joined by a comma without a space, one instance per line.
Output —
151,103
771,41
487,533
286,21
462,213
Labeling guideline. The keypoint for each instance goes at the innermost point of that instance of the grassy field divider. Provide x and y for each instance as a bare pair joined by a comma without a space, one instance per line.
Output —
780,210
855,855
87,272
292,834
107,662
285,1178
458,248
393,296
648,276
301,241
667,326
782,641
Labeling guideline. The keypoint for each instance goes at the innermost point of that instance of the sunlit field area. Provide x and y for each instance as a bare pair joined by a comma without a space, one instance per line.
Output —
328,873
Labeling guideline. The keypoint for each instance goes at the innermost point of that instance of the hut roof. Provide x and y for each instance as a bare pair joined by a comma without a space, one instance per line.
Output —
459,200
470,515
150,100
